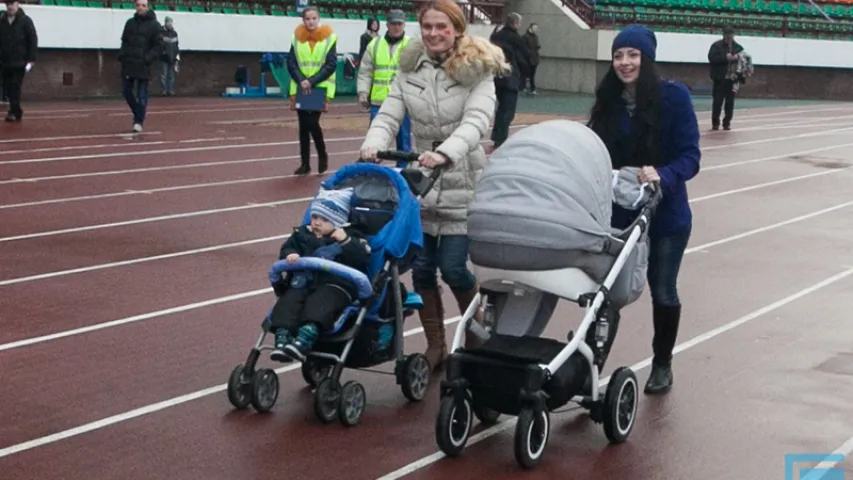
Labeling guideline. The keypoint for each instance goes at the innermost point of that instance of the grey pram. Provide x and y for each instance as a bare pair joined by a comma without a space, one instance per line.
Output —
539,231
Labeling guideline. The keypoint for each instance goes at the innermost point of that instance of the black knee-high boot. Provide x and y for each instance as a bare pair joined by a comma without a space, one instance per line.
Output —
666,320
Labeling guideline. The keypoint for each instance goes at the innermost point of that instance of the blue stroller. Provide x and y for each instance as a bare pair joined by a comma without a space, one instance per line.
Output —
385,209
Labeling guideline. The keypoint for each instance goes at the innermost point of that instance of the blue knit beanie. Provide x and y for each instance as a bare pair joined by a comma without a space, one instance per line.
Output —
639,37
333,205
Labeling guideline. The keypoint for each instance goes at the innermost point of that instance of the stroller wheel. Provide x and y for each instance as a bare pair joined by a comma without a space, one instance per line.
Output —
264,389
326,399
313,372
240,387
453,424
620,405
416,373
532,431
352,401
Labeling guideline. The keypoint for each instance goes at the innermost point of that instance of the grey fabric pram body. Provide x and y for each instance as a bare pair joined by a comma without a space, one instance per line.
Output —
539,231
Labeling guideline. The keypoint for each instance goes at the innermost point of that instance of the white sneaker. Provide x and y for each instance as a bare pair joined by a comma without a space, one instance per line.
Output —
137,127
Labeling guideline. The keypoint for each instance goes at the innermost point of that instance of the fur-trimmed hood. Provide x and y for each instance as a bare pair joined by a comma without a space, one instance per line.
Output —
317,35
472,59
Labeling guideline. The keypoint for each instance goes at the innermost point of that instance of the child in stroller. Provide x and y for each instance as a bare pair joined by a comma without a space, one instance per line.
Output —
384,212
312,300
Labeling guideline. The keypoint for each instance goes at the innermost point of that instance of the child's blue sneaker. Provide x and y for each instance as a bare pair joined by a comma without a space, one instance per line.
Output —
412,303
305,338
282,340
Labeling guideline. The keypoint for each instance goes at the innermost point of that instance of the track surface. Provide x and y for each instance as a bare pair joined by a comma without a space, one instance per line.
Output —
133,280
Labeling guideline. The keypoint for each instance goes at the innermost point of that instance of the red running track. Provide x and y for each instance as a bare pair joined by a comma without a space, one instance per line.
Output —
169,301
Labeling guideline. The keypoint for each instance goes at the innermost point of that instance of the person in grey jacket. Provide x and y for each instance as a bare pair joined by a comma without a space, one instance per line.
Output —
169,58
445,82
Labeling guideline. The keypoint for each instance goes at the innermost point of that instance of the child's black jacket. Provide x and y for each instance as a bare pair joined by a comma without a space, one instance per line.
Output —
354,253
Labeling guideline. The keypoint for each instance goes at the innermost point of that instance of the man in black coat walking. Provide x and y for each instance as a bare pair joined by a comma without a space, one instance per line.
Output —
140,47
18,46
507,87
721,55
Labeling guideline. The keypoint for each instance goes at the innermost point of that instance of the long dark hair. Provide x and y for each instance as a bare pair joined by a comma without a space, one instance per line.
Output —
606,114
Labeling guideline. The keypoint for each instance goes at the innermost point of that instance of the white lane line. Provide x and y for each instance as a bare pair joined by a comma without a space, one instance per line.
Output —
134,261
79,137
697,340
770,184
775,157
243,207
34,340
137,221
121,145
169,151
822,469
5,452
820,133
151,191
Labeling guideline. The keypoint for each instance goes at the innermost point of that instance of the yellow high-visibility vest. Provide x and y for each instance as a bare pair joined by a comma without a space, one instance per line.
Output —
310,63
384,67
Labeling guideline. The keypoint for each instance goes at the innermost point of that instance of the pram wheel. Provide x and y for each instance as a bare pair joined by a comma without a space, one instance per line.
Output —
620,405
453,423
415,378
240,388
326,399
532,431
313,372
352,400
264,389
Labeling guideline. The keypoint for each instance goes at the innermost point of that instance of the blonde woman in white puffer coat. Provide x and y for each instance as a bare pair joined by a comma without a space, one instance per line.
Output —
445,82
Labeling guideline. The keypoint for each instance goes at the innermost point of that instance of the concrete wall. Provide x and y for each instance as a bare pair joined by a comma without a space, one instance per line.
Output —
569,49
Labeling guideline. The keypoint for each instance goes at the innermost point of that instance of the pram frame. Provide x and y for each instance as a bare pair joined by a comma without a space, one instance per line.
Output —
455,391
322,370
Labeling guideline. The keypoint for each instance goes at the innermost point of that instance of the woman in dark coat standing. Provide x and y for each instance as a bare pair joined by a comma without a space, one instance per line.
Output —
531,38
650,123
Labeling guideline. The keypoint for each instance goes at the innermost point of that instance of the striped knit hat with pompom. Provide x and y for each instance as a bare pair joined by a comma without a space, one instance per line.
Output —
333,205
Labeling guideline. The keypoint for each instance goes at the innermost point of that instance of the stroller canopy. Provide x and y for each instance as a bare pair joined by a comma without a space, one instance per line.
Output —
545,192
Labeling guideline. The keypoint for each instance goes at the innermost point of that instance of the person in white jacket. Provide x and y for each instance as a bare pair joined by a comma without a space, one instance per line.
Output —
446,84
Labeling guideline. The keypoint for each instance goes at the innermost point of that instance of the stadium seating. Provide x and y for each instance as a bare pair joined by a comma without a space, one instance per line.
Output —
343,9
772,18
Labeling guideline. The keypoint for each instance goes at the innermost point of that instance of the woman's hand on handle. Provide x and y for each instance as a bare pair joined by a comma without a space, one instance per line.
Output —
649,175
368,154
432,159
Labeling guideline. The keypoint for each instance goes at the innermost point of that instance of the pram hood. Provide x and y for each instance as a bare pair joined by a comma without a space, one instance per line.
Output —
547,190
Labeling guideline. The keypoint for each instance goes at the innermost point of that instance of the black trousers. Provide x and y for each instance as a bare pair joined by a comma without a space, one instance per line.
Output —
505,113
531,76
13,78
301,306
309,127
723,95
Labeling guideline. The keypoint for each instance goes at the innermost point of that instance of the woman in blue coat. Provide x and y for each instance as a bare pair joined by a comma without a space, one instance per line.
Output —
650,123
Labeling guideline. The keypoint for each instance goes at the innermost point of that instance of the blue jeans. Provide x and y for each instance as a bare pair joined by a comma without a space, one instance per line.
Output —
665,255
167,77
138,103
404,135
448,254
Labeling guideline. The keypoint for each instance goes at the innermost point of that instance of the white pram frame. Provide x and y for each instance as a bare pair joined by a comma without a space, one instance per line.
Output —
533,422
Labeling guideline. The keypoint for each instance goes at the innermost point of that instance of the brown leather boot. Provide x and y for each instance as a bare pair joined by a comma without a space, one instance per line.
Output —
463,300
432,319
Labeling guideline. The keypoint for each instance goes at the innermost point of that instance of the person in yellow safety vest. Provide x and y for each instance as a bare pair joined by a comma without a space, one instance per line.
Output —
312,63
377,69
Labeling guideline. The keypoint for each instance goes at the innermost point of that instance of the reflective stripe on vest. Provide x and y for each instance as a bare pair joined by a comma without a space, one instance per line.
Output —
384,67
310,63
